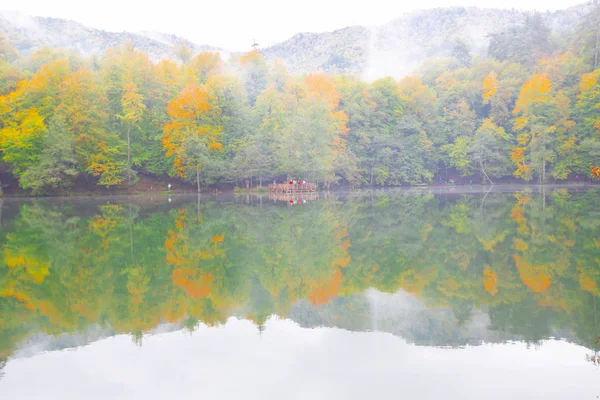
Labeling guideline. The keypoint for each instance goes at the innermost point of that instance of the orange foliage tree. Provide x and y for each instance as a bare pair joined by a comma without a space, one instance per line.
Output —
192,131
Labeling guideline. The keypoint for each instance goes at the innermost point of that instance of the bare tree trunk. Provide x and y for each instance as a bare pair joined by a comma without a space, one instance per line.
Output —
131,235
543,172
484,173
289,173
198,177
128,155
372,166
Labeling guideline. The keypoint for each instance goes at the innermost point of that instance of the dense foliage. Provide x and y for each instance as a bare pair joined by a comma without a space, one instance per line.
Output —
528,260
529,111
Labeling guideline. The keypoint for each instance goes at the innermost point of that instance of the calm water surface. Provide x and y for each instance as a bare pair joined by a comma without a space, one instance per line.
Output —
430,294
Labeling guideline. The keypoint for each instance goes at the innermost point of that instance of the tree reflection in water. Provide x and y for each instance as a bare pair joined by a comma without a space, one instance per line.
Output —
524,263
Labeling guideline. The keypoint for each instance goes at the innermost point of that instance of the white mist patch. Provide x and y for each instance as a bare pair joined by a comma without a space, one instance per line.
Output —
21,20
157,37
397,48
390,56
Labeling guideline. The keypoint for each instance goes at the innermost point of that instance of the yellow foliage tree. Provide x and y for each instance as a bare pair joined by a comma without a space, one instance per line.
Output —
490,86
192,114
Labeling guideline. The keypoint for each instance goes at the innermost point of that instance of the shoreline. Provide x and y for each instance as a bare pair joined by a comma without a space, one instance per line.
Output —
255,192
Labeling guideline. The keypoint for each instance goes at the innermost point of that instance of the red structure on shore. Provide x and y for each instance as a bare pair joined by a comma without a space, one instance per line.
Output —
293,187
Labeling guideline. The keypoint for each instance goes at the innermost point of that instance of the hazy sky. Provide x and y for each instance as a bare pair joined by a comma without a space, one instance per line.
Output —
233,24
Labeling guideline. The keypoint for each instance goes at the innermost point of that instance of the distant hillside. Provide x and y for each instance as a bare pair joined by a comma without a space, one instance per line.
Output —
393,49
28,34
397,47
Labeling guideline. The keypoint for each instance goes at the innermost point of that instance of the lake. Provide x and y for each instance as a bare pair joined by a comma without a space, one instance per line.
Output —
443,293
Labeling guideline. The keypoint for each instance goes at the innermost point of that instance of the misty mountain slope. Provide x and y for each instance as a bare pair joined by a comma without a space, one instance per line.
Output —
343,50
396,48
28,34
393,49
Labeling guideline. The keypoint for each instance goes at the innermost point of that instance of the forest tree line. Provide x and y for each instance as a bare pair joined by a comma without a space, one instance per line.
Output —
529,111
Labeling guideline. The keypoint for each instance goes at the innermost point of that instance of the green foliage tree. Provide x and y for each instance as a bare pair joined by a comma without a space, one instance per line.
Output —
461,52
524,43
489,150
57,166
587,39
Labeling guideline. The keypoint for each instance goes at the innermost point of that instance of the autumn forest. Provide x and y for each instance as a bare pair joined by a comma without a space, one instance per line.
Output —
528,112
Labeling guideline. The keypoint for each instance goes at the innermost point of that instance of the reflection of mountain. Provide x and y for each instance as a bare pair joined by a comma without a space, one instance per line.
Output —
407,317
466,268
399,314
42,342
